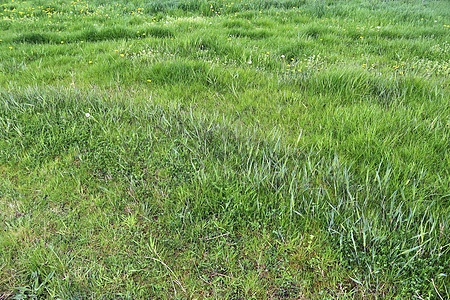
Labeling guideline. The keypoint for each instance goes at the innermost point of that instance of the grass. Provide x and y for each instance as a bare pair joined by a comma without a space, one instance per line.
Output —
193,149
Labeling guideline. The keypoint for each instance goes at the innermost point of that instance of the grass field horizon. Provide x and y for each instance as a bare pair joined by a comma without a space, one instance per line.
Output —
217,149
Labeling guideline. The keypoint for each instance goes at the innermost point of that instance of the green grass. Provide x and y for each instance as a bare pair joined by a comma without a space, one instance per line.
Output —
193,149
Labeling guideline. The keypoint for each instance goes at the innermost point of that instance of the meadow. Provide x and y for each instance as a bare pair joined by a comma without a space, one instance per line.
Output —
273,149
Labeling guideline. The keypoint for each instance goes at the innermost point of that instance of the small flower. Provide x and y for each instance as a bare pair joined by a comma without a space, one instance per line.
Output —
149,80
90,61
249,62
62,42
121,55
87,115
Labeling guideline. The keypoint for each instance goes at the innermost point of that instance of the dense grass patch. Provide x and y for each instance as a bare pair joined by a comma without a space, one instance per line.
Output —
84,158
218,149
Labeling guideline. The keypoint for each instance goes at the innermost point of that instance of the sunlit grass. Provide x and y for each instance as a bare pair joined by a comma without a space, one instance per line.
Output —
223,149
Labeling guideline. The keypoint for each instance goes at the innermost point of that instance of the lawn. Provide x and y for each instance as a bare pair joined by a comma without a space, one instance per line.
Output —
233,150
